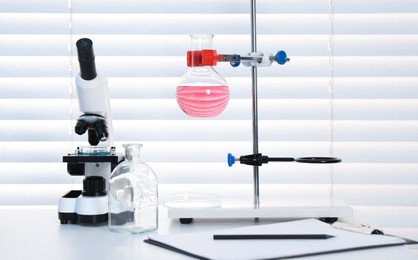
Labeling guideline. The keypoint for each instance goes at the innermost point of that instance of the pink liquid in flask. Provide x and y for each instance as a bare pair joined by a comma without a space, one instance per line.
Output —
202,101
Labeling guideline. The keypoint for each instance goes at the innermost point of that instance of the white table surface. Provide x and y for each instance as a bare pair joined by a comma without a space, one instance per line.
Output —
36,233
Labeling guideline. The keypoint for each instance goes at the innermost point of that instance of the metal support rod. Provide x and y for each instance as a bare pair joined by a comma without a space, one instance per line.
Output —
255,105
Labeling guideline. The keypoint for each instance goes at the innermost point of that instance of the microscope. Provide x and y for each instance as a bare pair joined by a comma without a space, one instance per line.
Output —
97,160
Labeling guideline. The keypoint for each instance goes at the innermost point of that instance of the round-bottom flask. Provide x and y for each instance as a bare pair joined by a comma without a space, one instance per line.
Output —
202,92
133,195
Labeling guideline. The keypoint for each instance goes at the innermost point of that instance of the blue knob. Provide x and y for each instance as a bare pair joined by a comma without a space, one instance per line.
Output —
235,63
231,159
281,57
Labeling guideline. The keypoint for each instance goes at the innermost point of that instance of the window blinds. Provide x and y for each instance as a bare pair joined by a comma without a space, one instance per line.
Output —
350,90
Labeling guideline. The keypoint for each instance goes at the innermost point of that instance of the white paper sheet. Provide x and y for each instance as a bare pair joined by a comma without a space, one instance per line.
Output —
202,243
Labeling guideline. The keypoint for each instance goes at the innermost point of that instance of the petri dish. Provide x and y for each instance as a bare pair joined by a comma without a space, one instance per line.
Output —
192,201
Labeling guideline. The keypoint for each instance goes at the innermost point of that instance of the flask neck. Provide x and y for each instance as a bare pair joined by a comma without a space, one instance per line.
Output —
201,52
201,41
132,152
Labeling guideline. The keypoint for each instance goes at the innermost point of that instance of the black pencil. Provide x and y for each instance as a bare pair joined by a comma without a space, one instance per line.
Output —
272,236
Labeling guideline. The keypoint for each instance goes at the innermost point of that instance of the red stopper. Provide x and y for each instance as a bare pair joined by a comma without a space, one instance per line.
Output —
202,58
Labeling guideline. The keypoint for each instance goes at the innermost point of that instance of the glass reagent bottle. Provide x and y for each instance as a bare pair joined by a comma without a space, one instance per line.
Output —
133,195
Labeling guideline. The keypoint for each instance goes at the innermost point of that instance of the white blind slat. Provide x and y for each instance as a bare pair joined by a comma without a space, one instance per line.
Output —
270,87
211,173
224,130
270,109
45,23
192,151
234,6
150,45
301,66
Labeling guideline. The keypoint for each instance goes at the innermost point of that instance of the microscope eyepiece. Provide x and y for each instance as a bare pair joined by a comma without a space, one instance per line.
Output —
86,59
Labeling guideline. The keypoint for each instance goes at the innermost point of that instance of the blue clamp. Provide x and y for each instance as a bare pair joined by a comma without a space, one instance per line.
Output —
231,159
281,57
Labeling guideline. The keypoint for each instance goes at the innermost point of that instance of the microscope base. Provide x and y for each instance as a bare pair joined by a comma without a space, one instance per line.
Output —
66,207
68,218
73,208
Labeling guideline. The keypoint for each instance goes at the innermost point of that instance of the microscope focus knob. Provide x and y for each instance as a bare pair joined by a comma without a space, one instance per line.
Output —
94,186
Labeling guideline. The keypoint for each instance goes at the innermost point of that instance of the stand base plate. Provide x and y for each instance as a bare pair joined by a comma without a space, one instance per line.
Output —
290,209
